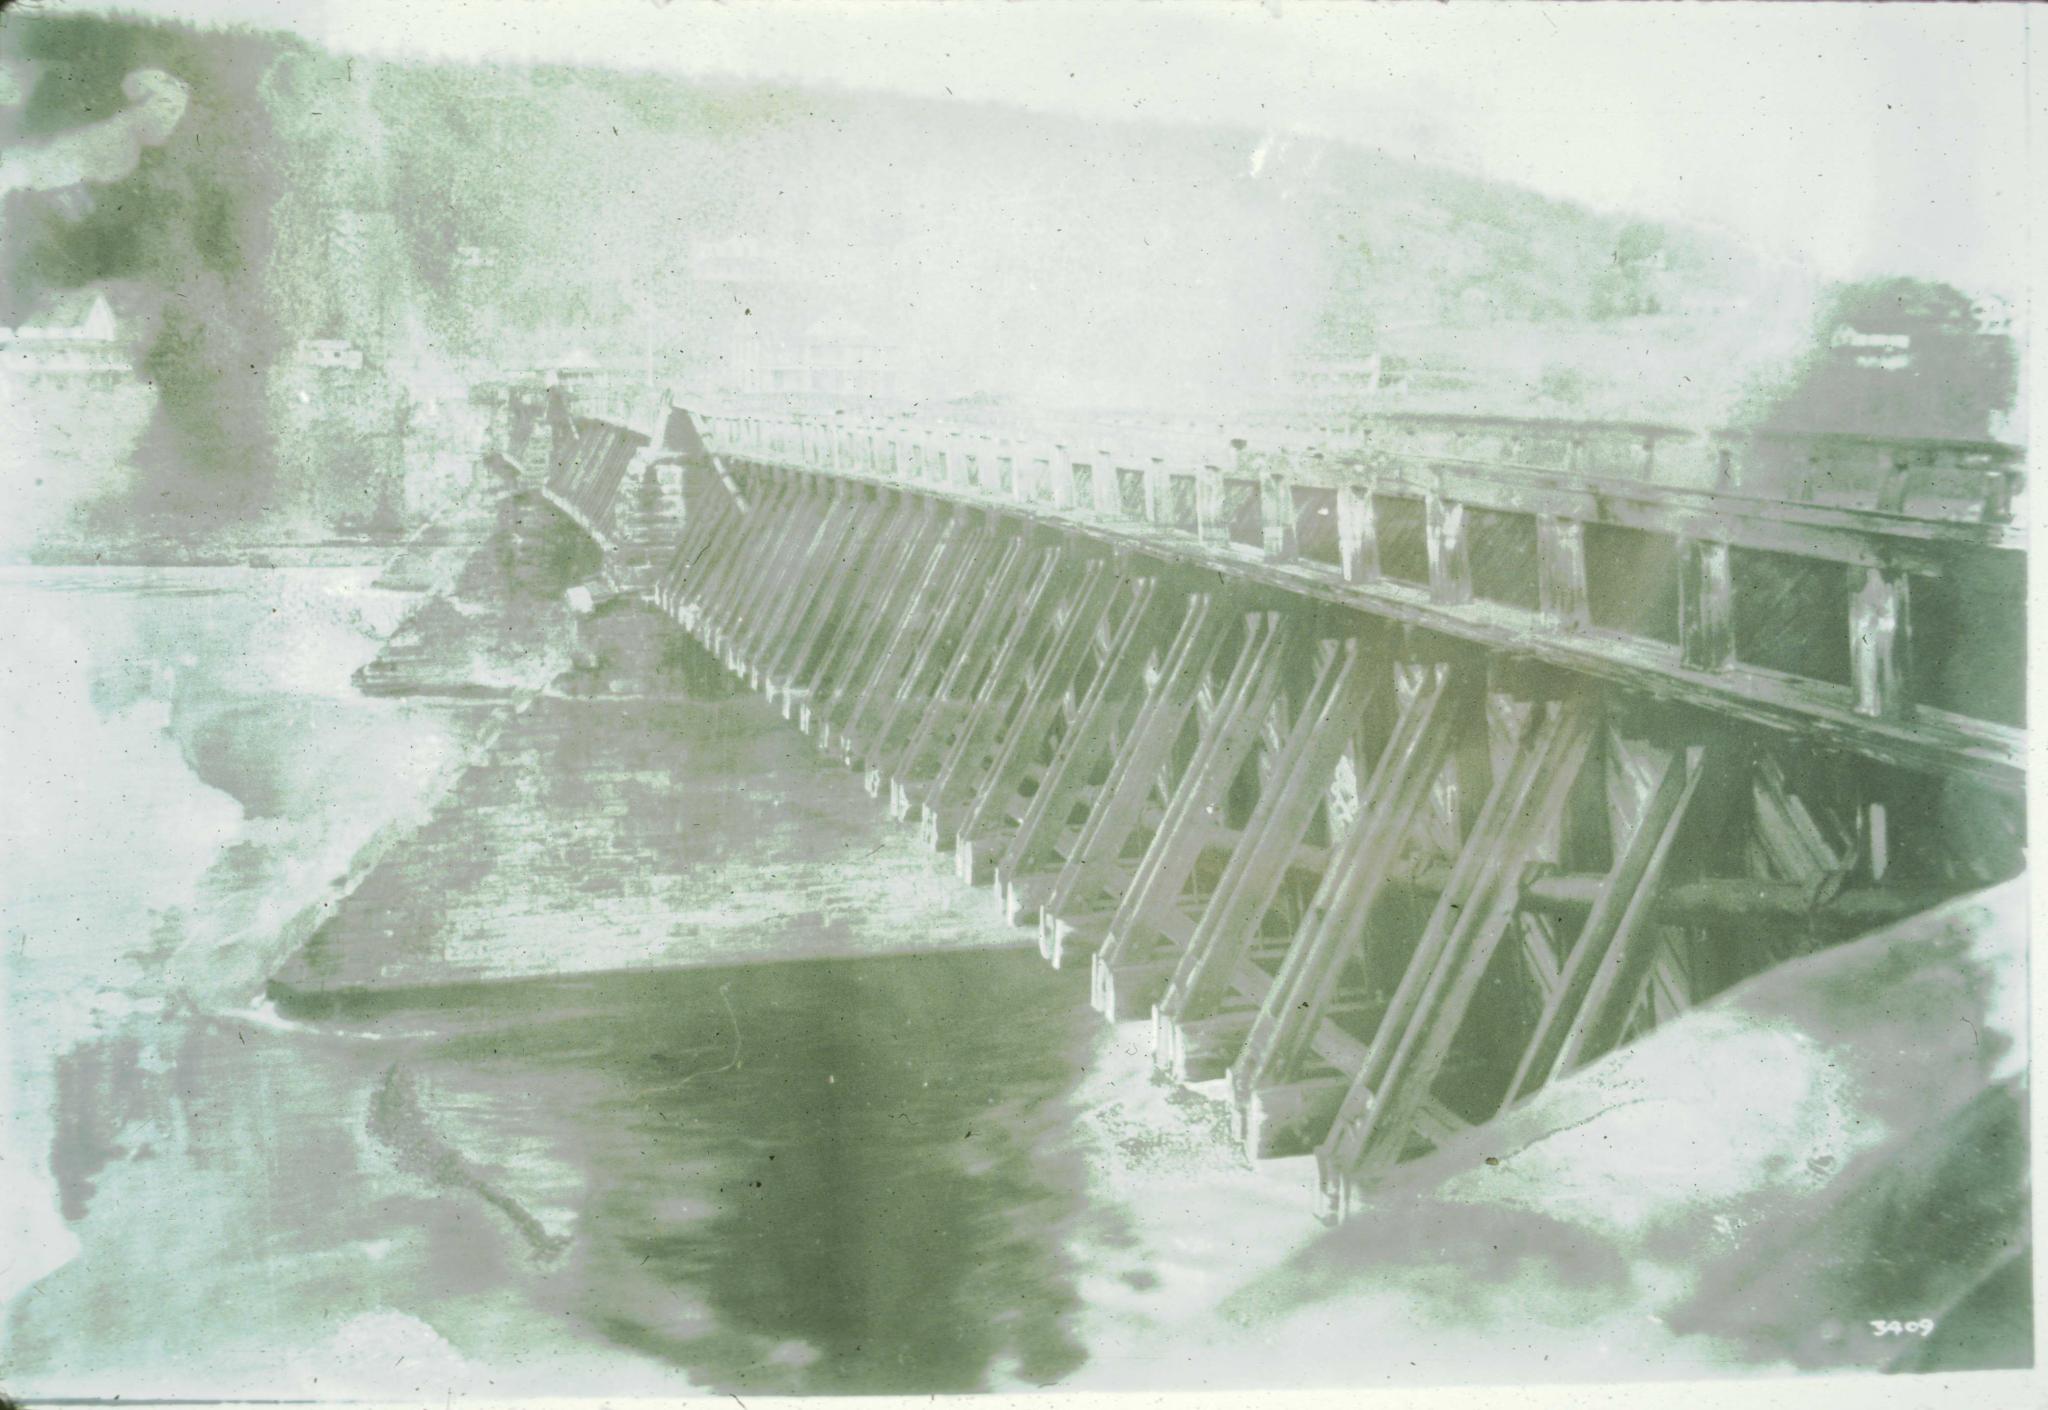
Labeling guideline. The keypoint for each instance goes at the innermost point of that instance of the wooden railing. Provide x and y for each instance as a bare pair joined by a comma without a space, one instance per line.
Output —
1785,612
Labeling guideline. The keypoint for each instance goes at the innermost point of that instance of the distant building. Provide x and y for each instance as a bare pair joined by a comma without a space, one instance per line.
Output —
81,316
838,357
1348,377
1994,316
830,356
73,332
337,353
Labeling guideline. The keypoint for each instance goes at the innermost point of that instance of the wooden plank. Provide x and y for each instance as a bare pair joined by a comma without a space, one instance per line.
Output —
728,556
989,560
960,769
1753,521
820,572
677,586
764,541
785,522
878,606
730,570
1561,573
1279,533
1857,536
792,671
1358,541
1538,934
849,607
1450,555
798,570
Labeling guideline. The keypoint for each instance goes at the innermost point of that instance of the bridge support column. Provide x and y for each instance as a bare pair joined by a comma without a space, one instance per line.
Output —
1338,934
1035,626
938,582
1020,569
1214,971
1068,684
1391,1100
1137,958
1095,869
1706,620
989,559
880,600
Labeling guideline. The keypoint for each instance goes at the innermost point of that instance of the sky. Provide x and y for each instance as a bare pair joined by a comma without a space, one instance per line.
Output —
1859,139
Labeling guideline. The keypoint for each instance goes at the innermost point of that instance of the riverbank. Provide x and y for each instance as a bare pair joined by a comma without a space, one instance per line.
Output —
201,783
839,1173
186,798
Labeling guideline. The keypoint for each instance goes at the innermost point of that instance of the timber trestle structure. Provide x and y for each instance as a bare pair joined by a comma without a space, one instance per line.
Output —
1385,796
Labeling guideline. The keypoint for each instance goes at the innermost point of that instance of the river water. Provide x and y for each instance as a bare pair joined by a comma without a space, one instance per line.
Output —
929,1171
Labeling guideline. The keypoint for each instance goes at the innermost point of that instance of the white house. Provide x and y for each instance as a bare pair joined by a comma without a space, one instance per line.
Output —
73,332
82,316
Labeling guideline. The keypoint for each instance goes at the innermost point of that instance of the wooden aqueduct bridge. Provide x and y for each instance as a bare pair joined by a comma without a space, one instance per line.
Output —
1392,774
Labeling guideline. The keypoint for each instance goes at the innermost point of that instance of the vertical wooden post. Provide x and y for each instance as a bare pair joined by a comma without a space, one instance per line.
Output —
1450,564
1706,619
1276,516
1873,821
1998,493
1358,543
1880,643
1897,484
1209,525
1561,572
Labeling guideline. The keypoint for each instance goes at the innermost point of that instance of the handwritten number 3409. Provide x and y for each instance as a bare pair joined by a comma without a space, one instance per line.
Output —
1923,1327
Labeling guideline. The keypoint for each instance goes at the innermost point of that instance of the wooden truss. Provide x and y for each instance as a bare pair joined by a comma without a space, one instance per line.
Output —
1384,884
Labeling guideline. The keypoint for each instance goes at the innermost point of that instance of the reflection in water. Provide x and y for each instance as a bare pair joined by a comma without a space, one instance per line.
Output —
829,1175
822,1176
